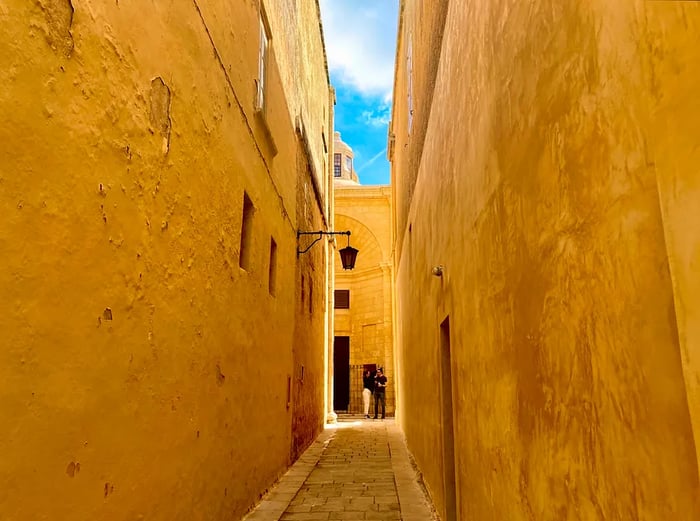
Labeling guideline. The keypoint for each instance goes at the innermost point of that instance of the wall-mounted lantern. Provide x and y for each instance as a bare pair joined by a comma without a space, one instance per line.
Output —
348,255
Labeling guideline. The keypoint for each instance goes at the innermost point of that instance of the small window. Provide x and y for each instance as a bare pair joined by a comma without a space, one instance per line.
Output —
246,233
272,279
342,299
262,65
337,164
348,163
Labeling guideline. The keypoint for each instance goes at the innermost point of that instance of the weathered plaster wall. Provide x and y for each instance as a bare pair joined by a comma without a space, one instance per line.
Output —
300,52
557,172
423,36
310,317
144,373
675,116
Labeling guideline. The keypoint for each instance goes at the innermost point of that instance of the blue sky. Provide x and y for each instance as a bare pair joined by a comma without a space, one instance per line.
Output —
360,40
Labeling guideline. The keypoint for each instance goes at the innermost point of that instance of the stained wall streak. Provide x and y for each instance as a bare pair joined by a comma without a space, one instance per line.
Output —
143,371
557,184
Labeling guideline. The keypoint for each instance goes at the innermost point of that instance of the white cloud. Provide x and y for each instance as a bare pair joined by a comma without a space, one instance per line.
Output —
360,40
378,117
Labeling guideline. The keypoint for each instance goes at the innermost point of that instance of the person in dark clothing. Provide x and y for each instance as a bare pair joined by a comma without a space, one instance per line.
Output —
380,393
368,389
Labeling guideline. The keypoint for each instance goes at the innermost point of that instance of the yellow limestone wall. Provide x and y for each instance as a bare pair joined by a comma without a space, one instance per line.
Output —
675,142
558,185
366,212
144,374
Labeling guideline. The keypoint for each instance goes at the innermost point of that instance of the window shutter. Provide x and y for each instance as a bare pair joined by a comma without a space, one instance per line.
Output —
342,299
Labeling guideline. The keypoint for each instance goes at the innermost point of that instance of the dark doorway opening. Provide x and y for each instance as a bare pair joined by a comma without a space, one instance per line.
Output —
448,443
341,373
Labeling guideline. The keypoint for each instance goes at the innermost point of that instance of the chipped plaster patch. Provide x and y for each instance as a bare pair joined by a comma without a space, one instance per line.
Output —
59,21
160,111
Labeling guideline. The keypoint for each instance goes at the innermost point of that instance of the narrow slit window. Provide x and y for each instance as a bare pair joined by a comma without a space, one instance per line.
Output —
272,280
311,295
289,391
246,233
262,65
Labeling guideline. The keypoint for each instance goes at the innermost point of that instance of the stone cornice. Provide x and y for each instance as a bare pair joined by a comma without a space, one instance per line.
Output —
383,268
362,192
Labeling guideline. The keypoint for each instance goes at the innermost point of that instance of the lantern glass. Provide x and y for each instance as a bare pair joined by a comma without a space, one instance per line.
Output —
348,255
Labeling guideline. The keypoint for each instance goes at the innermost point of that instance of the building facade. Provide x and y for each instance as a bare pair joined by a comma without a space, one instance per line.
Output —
544,162
343,162
363,309
164,345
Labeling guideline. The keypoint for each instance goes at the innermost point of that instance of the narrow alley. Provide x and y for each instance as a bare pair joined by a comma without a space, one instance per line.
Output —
355,470
233,229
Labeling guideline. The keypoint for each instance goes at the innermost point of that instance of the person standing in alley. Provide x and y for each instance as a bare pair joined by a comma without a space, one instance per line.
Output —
380,393
368,389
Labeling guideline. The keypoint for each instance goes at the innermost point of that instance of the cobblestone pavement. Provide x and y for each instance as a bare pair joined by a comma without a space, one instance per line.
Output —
356,470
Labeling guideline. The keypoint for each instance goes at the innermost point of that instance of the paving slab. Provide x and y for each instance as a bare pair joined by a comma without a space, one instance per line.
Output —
356,470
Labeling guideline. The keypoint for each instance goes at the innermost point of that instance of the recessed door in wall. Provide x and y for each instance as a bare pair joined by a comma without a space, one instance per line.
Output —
447,413
341,373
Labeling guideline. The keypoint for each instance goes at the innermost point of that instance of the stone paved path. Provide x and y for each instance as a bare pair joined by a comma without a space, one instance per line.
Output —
358,470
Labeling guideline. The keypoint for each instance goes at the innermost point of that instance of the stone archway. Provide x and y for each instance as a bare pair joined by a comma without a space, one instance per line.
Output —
368,320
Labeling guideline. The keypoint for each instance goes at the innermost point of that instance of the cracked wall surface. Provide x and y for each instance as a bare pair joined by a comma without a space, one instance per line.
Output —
144,372
557,185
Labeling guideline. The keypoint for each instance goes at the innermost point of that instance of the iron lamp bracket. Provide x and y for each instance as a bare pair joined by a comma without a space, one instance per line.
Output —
320,234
